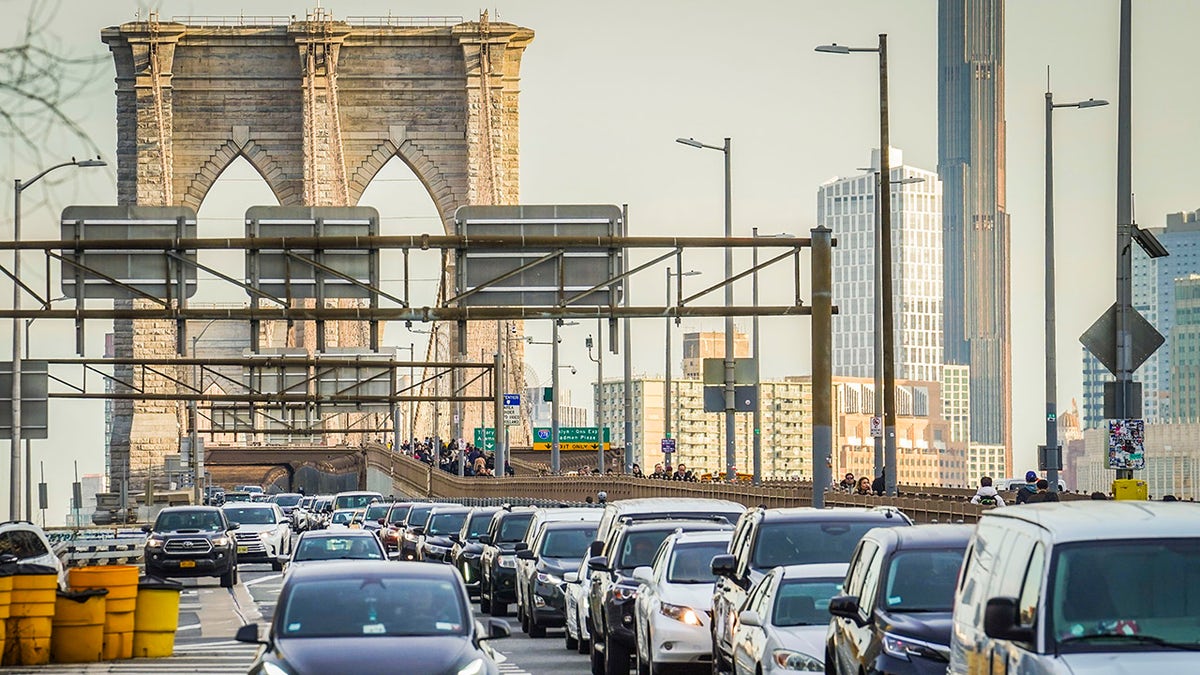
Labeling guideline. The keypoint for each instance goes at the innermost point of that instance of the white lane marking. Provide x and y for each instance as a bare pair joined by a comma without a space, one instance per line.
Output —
259,580
189,627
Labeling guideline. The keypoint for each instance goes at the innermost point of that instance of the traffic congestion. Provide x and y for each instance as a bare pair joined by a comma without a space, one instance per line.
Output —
706,586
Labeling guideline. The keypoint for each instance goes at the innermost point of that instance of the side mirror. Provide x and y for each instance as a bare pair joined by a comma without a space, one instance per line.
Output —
571,577
249,633
146,528
233,526
724,565
750,617
454,537
1000,621
418,531
485,539
380,521
497,628
520,546
595,548
846,607
643,575
526,554
598,564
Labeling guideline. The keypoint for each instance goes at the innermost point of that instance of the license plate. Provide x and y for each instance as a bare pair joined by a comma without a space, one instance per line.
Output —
243,549
187,563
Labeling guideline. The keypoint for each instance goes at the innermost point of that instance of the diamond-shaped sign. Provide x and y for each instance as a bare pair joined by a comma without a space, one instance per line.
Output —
1101,338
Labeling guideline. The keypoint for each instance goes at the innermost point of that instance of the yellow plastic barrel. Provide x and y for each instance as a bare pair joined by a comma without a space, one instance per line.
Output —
78,628
5,601
28,627
156,618
121,581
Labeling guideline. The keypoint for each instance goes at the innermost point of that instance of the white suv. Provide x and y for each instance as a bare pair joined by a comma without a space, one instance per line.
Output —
29,544
263,533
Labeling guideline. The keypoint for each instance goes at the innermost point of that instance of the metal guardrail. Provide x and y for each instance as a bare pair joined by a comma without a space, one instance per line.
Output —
98,546
233,21
405,21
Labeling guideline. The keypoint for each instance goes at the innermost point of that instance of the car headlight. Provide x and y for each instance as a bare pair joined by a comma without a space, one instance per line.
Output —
154,542
410,536
903,648
507,561
680,613
551,579
790,660
473,668
469,556
436,550
624,593
269,668
220,541
265,536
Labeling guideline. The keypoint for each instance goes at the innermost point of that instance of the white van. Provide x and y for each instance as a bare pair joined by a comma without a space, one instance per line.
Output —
1080,587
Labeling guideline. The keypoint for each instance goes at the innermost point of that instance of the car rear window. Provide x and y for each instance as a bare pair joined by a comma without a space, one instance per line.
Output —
250,515
514,527
22,543
810,543
567,543
353,501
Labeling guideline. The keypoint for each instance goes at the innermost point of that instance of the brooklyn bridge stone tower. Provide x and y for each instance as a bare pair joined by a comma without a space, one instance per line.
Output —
317,106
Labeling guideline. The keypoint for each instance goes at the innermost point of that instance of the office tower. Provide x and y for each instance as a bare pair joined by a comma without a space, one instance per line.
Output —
976,230
1185,350
847,206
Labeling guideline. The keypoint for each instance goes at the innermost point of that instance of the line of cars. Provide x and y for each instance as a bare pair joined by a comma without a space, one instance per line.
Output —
709,586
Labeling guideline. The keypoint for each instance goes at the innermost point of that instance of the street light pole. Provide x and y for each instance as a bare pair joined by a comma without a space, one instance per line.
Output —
599,360
729,361
885,267
14,487
1051,347
667,377
757,370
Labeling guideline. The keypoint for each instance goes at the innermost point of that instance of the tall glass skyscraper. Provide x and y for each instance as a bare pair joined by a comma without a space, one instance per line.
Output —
847,206
975,225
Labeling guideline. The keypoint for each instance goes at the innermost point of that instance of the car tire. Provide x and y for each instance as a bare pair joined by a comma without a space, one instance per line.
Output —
643,664
830,666
485,602
616,658
276,566
597,658
572,642
229,578
499,608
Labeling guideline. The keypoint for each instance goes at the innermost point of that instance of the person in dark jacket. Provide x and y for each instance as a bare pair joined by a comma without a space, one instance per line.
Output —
1029,488
880,484
1043,493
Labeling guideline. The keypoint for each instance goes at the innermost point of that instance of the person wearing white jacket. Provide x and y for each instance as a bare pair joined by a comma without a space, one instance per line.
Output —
986,494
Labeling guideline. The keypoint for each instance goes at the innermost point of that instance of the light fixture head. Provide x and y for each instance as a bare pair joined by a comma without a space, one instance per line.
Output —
834,48
1092,103
690,141
91,162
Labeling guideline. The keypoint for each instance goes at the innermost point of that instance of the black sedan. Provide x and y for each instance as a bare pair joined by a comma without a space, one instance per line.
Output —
358,616
441,533
467,550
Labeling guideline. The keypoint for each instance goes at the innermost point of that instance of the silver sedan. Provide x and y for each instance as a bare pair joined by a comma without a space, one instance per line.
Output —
783,625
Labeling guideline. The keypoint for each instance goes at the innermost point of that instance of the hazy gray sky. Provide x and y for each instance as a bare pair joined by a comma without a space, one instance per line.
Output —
607,87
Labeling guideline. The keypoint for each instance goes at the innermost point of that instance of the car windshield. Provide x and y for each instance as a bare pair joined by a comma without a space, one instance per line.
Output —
804,602
1130,594
287,500
478,524
639,548
306,502
809,543
173,521
397,514
418,516
692,563
372,606
353,501
567,543
250,515
922,581
342,517
337,548
446,523
513,528
377,511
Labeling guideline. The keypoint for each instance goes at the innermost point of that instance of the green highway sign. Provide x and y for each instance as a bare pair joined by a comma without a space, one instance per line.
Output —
485,438
569,438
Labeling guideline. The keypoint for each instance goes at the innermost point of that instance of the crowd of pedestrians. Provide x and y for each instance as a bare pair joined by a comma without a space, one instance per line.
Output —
445,456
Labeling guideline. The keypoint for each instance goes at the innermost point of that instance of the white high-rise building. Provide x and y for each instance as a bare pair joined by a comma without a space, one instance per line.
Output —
847,206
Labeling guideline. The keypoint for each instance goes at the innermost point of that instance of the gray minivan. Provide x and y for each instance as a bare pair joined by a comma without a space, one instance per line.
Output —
1079,587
